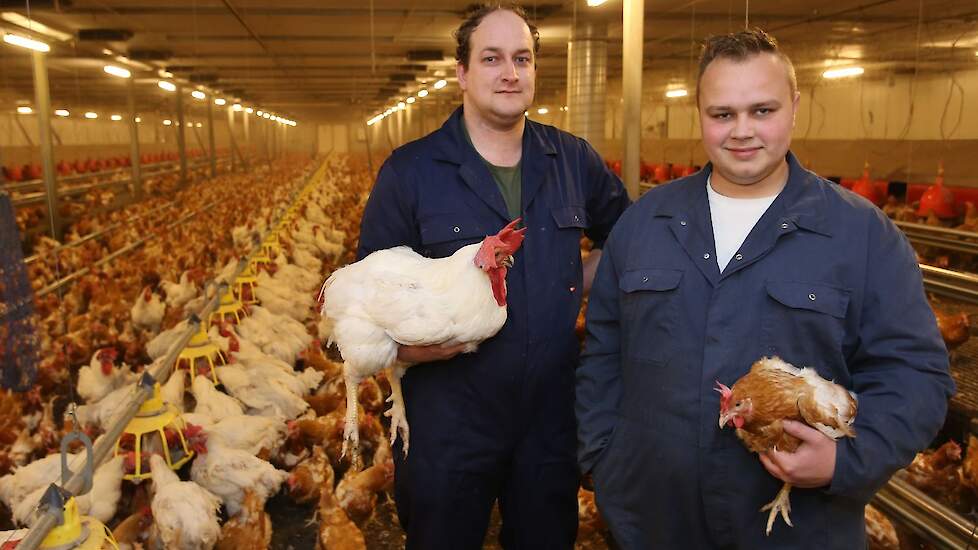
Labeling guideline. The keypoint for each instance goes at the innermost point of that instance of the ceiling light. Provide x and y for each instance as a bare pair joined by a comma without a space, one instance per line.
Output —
237,107
91,116
266,115
401,105
107,51
441,84
375,120
117,71
168,86
260,113
197,94
410,100
167,122
422,93
543,111
23,42
249,110
116,117
61,112
220,101
34,26
165,74
199,125
594,3
844,72
677,93
24,110
138,119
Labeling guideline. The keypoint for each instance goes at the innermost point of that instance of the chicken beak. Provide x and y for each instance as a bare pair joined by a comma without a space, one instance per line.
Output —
724,418
508,261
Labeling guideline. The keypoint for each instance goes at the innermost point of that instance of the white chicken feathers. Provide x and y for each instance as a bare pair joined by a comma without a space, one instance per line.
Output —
262,397
228,472
184,512
212,402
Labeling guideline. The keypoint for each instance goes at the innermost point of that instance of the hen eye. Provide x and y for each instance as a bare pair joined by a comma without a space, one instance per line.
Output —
737,404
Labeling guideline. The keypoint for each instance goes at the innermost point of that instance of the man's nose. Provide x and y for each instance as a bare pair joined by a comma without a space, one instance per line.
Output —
743,127
511,74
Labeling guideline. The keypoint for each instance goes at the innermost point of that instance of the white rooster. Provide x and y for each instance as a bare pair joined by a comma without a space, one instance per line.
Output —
396,296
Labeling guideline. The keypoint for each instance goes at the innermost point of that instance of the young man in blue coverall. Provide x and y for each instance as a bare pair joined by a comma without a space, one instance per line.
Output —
752,256
497,423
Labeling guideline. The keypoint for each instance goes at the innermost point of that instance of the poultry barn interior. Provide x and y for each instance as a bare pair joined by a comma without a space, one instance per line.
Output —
178,179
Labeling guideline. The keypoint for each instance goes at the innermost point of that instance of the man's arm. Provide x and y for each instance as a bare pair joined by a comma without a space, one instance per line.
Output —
899,372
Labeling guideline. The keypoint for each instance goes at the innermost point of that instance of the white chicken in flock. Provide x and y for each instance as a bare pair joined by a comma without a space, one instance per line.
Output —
101,376
147,313
229,472
178,294
185,513
212,402
397,296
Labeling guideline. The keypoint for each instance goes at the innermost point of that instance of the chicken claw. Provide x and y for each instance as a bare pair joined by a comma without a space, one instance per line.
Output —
351,432
781,505
397,414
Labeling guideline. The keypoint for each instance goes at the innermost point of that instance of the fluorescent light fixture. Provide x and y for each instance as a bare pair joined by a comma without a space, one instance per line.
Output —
34,26
410,100
593,3
167,122
168,86
375,120
61,112
440,84
116,117
24,42
260,113
116,71
165,74
543,111
249,110
843,72
266,115
138,120
24,110
237,107
401,105
199,125
422,93
197,94
220,101
682,92
91,116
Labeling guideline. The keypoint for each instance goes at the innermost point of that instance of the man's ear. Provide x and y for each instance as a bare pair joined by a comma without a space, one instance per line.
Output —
461,73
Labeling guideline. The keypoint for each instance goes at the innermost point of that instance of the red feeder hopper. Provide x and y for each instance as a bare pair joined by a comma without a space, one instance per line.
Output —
867,188
937,198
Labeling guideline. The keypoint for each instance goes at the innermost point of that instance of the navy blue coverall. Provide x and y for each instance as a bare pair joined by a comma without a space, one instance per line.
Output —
824,280
498,422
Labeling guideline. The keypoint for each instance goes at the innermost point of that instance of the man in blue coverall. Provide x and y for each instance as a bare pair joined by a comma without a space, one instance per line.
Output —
497,423
753,256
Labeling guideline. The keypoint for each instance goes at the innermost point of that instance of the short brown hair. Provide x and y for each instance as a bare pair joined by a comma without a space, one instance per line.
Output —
738,47
475,15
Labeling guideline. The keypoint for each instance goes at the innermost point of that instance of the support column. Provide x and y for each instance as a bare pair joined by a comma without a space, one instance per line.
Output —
181,137
136,171
587,81
247,132
632,53
42,97
210,136
231,143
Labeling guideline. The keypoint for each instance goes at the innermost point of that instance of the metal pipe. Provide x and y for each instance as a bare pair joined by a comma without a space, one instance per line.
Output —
234,147
587,76
181,137
136,176
210,137
632,54
247,134
42,96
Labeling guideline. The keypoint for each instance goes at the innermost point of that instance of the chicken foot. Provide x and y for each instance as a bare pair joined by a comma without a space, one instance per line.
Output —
397,414
351,428
781,505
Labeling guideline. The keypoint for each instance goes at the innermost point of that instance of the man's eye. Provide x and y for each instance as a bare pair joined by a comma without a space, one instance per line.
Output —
764,111
722,116
489,59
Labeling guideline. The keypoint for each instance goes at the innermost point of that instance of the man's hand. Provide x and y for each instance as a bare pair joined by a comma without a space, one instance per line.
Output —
427,354
811,465
590,269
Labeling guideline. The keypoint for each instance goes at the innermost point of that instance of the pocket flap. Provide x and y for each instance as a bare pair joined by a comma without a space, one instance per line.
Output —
449,227
570,216
650,279
811,296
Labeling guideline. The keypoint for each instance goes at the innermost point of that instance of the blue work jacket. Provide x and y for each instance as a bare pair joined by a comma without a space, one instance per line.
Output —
823,280
436,195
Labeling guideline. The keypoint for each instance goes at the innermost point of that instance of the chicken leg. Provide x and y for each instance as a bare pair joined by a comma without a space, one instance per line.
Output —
351,431
397,414
781,505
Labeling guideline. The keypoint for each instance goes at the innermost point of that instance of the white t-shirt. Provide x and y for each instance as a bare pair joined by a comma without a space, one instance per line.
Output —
733,220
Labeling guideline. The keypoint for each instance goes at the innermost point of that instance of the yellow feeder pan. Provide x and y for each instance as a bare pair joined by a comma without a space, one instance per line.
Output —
158,426
229,311
271,248
260,260
201,355
245,285
78,532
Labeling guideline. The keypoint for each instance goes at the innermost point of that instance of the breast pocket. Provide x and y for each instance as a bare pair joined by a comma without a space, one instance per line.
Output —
805,322
649,311
442,235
